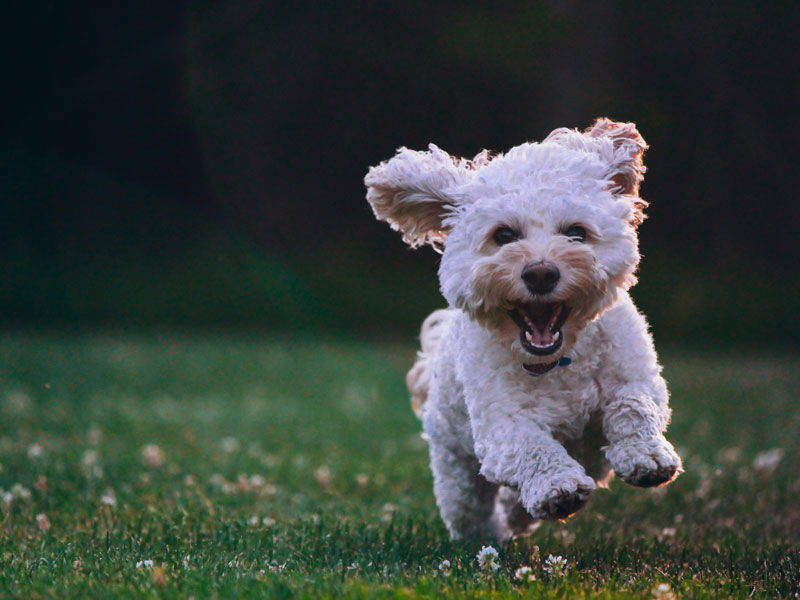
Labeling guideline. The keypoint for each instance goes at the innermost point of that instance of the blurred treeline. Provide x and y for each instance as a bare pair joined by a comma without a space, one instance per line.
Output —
201,163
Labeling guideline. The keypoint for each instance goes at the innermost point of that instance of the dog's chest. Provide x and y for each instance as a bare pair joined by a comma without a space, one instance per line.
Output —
562,400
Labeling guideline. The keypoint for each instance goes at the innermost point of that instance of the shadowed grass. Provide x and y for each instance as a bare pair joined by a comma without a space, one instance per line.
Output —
280,468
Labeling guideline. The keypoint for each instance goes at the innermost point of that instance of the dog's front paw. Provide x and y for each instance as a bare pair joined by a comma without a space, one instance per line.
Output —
645,463
558,498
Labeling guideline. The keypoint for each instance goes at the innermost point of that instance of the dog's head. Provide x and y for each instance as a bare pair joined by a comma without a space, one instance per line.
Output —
536,242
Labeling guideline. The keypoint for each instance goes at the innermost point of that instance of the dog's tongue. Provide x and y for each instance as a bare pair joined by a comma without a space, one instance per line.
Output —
541,318
539,337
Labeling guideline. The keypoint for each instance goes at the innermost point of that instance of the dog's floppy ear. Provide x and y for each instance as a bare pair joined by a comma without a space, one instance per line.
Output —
627,169
412,192
620,146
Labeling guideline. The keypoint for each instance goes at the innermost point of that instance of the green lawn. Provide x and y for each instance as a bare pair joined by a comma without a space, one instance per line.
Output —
256,467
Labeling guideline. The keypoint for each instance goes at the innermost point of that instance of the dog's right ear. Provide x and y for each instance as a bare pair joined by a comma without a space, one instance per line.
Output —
413,192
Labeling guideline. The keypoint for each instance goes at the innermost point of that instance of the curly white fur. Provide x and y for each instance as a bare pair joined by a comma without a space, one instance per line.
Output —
508,449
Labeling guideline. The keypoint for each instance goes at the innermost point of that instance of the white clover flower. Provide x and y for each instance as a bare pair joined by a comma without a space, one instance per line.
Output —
42,522
152,455
257,481
667,532
524,574
147,564
768,460
108,498
268,522
444,567
230,445
555,565
89,458
323,476
487,558
663,592
35,450
387,511
253,521
20,491
90,462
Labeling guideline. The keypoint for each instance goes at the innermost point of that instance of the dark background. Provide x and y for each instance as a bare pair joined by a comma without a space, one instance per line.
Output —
200,164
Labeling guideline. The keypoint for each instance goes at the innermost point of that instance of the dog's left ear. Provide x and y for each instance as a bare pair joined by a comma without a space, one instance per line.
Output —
626,166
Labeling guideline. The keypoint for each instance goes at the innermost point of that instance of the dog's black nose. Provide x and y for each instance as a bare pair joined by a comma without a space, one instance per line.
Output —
541,278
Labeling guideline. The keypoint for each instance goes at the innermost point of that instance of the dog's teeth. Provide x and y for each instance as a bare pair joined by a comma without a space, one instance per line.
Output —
528,336
556,336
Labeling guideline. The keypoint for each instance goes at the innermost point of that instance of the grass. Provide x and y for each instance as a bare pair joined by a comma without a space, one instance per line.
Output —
279,468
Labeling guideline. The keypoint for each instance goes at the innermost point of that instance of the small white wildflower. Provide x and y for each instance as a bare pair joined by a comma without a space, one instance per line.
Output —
767,461
42,521
487,558
555,565
444,567
109,498
8,497
267,522
35,450
147,564
230,445
20,491
89,458
152,455
253,521
90,462
387,510
663,592
233,564
186,560
524,574
323,476
667,532
257,481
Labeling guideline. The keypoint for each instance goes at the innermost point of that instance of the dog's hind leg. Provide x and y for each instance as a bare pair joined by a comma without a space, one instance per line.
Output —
418,378
465,498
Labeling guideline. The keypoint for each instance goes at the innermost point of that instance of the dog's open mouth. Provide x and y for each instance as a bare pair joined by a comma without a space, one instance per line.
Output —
540,326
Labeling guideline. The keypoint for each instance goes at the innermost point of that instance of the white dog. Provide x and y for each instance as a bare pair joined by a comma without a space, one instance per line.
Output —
540,381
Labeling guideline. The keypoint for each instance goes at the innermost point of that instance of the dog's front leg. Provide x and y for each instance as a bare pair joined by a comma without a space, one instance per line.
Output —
637,450
525,456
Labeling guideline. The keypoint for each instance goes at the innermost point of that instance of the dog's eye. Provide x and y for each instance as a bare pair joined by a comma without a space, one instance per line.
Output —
505,235
575,233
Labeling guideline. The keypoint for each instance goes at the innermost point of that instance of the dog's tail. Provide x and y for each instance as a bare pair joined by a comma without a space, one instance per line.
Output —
418,378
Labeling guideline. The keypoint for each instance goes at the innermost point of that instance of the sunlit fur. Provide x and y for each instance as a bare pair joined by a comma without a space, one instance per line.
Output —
547,442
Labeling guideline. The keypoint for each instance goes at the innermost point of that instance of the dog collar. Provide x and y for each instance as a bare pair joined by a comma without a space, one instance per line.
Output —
541,369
